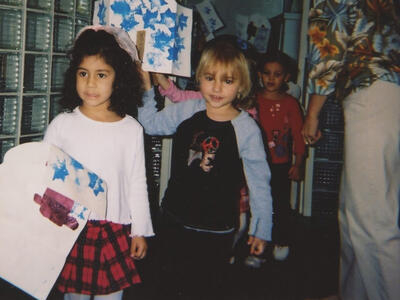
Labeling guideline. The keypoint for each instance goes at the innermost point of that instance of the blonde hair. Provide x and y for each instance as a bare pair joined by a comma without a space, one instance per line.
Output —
228,56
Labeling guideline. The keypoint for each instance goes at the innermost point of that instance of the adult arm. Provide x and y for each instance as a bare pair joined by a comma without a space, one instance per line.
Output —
311,133
328,45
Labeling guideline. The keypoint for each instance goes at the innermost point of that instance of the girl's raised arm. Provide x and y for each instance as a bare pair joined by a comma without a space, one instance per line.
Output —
166,121
169,89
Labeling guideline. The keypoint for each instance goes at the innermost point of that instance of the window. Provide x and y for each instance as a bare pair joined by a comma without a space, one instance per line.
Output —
34,38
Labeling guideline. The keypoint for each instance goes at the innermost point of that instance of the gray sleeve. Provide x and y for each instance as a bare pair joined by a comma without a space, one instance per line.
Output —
258,175
166,121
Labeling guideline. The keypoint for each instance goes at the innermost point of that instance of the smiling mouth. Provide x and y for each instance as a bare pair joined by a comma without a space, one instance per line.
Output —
216,98
91,95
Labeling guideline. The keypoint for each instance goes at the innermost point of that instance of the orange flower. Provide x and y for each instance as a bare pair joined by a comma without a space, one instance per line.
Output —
316,35
365,49
322,82
326,48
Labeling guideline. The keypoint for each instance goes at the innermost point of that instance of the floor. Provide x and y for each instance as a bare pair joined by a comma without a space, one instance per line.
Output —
309,272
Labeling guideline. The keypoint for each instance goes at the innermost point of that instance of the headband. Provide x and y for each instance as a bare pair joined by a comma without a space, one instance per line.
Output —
120,35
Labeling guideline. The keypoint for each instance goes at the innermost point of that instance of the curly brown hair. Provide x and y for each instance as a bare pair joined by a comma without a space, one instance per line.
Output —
128,83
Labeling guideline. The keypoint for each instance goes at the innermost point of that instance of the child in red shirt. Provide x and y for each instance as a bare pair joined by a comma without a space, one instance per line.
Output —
281,119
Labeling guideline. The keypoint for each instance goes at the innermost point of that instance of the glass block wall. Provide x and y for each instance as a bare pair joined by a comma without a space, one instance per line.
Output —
34,38
328,161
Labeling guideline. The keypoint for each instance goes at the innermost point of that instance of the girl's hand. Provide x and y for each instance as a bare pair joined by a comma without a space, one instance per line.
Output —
162,80
138,247
296,173
146,80
257,245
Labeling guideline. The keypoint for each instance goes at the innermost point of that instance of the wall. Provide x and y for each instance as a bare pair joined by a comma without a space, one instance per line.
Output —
227,9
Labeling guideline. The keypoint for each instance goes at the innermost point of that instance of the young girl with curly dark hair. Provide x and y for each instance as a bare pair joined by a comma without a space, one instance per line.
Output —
103,88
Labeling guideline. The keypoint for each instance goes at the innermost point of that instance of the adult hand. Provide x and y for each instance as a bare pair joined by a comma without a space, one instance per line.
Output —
311,133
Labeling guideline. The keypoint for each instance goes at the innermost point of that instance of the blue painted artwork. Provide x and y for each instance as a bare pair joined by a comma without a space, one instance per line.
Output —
71,167
209,16
168,28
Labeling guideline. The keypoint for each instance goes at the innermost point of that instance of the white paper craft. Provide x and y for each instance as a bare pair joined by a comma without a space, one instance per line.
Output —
209,16
168,28
255,29
45,200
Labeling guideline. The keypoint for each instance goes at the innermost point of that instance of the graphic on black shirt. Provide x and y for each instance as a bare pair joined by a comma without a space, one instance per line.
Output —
206,175
203,149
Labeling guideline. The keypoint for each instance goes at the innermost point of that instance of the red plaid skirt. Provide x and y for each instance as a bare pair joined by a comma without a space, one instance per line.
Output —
99,262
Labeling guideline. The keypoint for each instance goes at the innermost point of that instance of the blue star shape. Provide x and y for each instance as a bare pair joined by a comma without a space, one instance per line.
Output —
149,19
60,170
182,21
95,183
121,8
101,14
168,14
81,214
178,47
129,22
161,40
213,23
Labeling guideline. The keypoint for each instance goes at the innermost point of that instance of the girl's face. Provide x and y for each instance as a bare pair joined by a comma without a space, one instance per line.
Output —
94,82
219,87
273,77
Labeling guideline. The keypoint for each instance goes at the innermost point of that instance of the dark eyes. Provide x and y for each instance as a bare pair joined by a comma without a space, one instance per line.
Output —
274,74
208,77
211,78
82,74
85,74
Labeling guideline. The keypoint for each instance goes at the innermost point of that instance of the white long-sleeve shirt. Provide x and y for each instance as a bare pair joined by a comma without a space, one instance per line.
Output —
115,152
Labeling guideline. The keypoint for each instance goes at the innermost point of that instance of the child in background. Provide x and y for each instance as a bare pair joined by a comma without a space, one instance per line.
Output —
281,118
215,146
103,88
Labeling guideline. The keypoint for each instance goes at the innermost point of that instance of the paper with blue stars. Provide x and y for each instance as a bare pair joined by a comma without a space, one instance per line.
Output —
167,26
209,16
46,198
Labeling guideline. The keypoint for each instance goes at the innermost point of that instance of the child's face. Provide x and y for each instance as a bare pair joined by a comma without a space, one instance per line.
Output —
273,77
94,82
218,86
